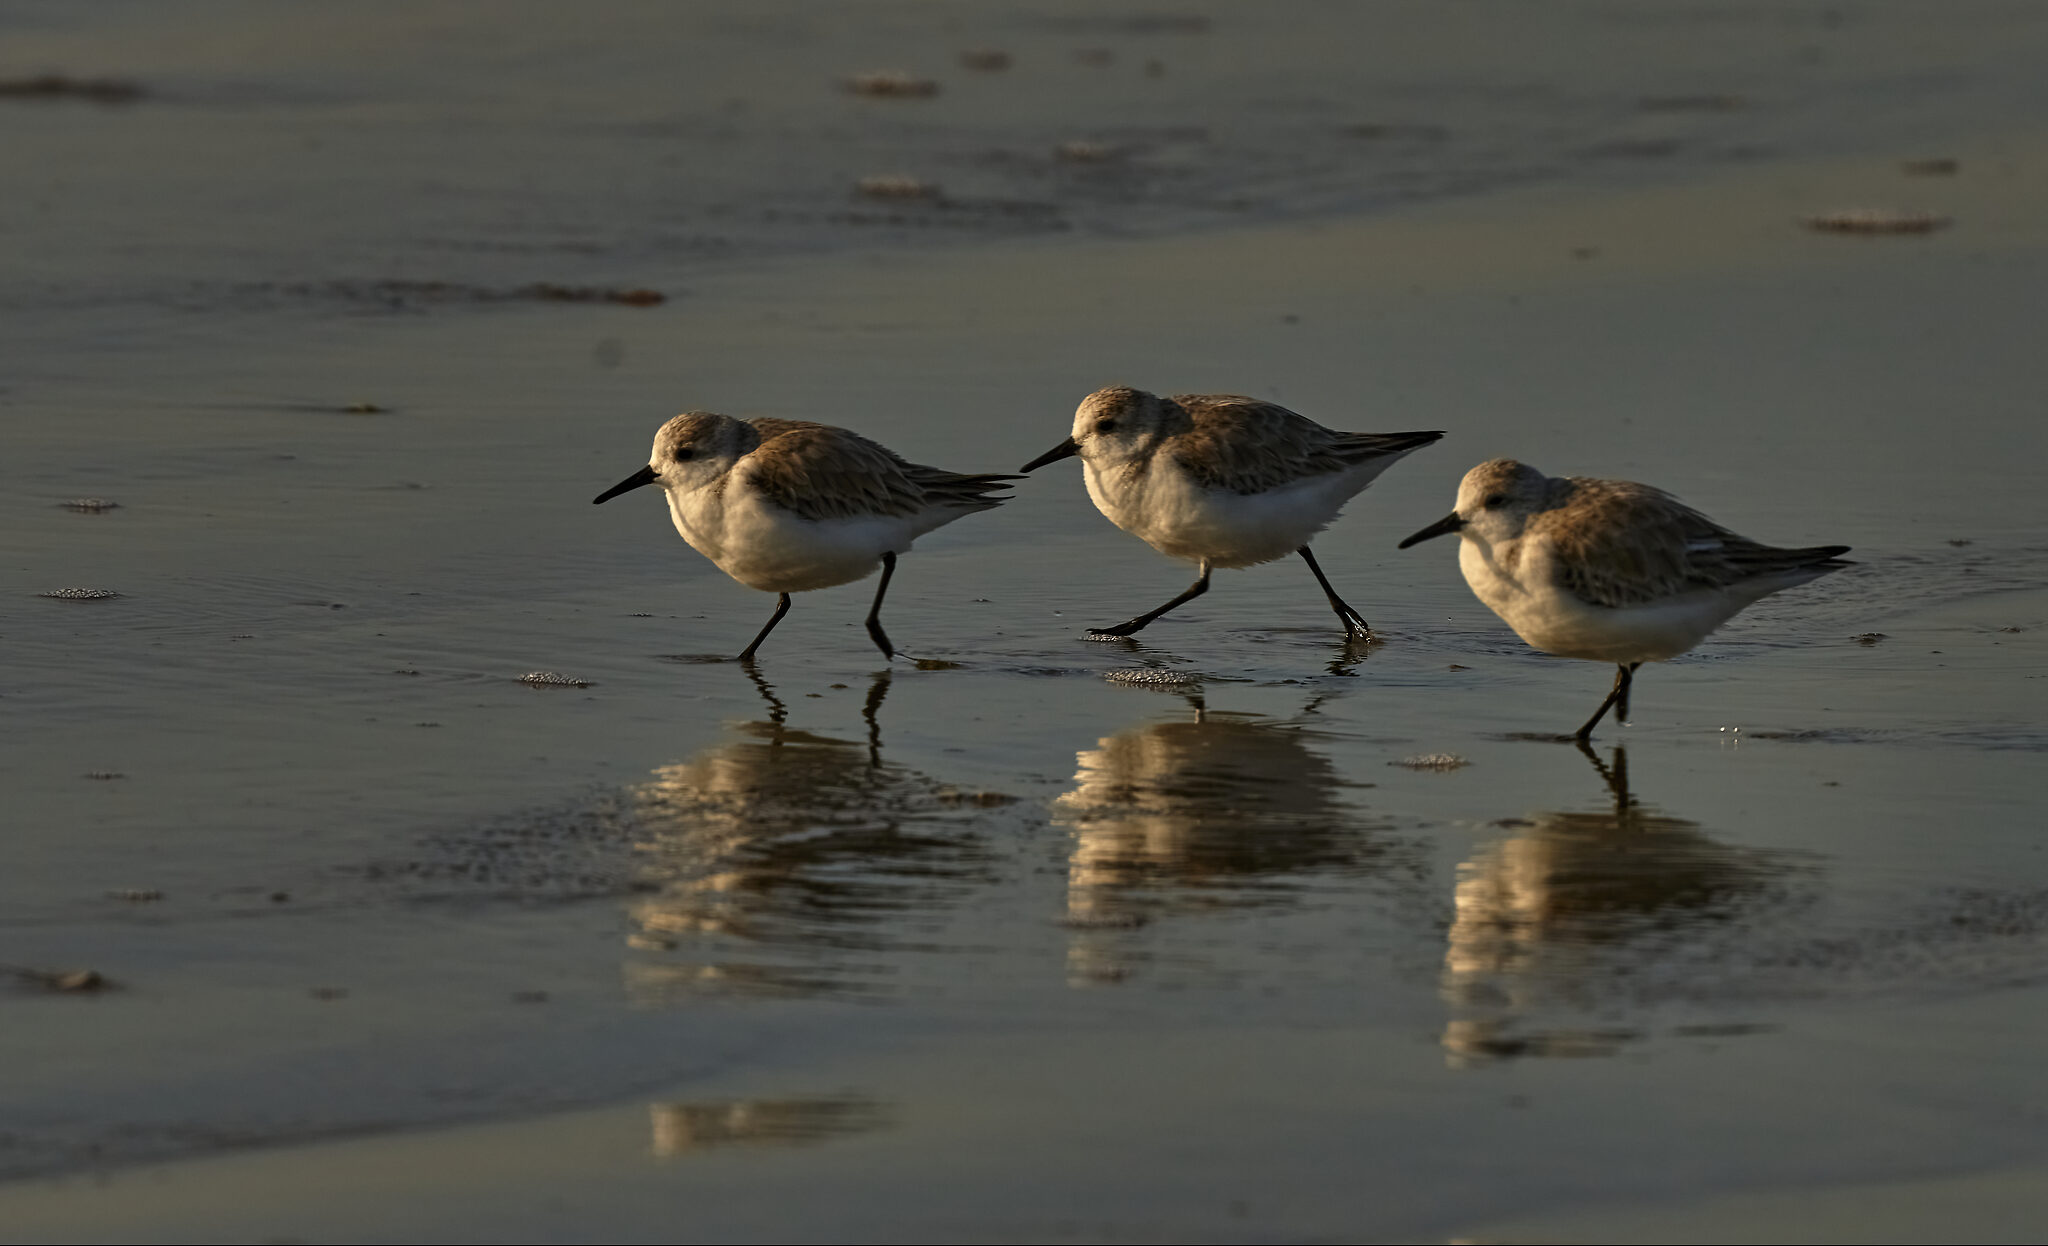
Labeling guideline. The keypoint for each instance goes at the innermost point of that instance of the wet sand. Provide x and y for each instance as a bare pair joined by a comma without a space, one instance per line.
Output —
995,946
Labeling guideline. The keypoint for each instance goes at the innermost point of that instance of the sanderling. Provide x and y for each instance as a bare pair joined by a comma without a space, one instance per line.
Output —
787,505
1609,570
1221,480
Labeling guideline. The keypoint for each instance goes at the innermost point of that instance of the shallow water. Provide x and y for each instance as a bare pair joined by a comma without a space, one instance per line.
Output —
1283,938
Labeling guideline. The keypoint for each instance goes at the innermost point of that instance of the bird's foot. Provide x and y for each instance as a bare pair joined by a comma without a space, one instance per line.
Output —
881,639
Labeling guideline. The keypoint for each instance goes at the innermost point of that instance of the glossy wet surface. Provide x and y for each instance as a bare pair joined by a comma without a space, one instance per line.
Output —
1230,930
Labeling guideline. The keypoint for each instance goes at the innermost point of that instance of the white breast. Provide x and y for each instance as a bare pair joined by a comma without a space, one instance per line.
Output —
1529,599
1180,518
768,548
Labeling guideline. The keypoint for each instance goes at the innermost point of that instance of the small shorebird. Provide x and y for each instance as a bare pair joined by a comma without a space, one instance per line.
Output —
787,505
1609,570
1221,480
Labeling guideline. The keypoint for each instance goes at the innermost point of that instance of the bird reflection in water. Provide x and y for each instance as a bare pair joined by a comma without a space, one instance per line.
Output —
1572,912
686,1128
1221,811
785,862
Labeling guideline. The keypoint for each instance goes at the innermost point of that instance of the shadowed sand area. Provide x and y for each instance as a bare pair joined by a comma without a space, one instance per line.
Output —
1229,931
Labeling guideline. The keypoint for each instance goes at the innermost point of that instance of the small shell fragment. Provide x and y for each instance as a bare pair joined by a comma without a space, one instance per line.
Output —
80,594
90,506
552,679
1432,761
1875,221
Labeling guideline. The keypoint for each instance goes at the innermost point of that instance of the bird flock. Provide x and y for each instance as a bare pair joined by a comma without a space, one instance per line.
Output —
1602,570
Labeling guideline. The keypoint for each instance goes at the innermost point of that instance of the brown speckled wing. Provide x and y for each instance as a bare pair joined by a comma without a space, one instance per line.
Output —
1248,446
820,472
1618,543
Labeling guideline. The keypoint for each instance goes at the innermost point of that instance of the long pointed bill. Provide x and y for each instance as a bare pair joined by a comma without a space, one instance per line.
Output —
1065,450
1443,527
645,476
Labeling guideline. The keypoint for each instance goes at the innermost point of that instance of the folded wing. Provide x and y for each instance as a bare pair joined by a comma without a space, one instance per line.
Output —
1247,446
820,472
1649,546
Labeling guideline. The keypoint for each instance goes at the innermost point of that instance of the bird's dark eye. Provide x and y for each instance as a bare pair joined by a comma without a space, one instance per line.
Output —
1105,426
683,454
1495,500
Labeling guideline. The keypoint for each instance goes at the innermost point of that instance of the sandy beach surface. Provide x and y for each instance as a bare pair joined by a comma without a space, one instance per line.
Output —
1229,932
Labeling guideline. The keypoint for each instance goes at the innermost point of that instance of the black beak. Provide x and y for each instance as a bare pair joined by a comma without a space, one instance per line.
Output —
645,476
1065,450
1449,523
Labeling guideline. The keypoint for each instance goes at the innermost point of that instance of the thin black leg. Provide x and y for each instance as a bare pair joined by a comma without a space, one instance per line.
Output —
781,608
1621,713
1622,676
1354,622
880,637
1125,628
